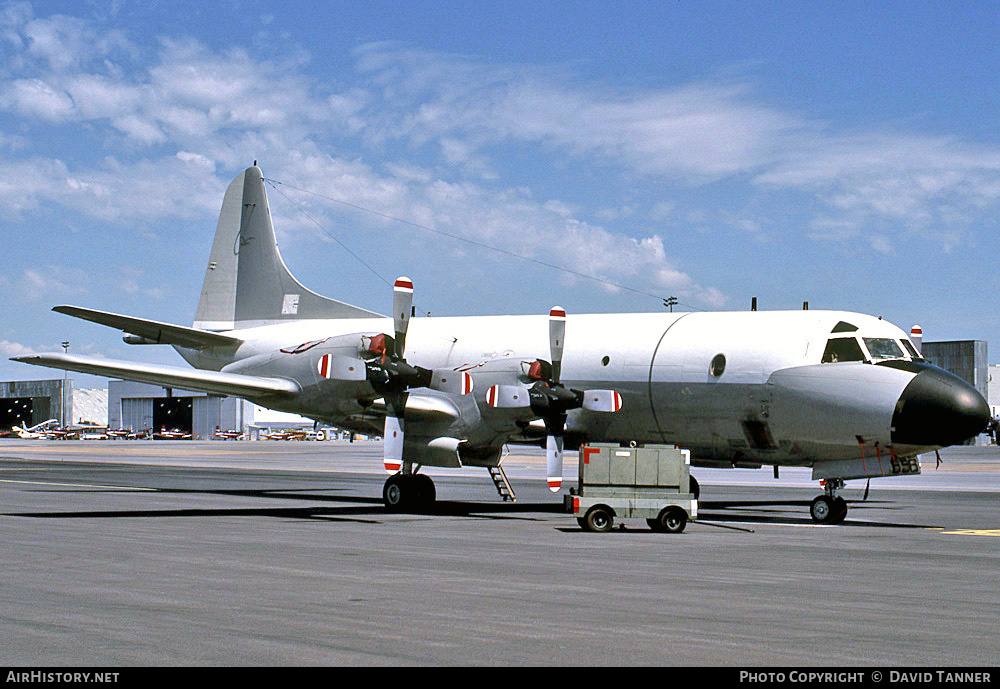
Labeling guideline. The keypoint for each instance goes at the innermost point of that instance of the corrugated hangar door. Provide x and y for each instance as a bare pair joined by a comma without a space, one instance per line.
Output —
207,416
137,413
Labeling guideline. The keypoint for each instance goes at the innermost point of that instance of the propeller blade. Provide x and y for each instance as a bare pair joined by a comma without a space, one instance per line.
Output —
454,382
392,444
557,335
339,367
402,306
554,460
602,400
508,397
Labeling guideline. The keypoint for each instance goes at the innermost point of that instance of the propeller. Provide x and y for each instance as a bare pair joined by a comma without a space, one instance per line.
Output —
550,400
391,376
395,384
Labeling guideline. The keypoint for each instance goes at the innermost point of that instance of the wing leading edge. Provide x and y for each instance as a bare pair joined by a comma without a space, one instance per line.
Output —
211,382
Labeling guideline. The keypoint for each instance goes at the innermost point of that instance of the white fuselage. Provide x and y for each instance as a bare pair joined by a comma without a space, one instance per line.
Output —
772,400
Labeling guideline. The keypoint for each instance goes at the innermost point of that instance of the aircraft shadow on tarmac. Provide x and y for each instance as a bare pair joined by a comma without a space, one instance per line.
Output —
770,512
359,508
369,510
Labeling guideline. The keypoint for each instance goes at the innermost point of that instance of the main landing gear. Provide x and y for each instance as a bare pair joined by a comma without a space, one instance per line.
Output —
404,492
829,508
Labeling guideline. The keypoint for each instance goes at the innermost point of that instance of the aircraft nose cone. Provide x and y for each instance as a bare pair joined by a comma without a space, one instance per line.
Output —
938,408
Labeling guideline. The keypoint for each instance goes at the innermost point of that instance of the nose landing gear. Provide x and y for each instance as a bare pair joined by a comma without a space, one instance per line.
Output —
829,508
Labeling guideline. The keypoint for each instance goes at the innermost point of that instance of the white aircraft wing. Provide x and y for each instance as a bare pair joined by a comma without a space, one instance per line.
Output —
212,382
154,332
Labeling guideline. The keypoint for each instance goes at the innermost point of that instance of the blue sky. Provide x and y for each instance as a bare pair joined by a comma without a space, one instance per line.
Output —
843,153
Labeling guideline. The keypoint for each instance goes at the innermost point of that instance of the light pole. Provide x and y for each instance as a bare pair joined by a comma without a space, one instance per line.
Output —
65,346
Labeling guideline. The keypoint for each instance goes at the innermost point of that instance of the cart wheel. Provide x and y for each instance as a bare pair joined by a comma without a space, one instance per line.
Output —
672,520
599,519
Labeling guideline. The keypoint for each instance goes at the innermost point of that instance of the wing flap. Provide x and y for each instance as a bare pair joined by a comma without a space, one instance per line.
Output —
153,331
211,382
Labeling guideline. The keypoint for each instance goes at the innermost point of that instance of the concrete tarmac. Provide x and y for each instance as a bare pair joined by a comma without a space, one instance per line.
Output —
132,553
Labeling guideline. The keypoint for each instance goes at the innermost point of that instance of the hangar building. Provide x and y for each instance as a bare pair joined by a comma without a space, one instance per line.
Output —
29,402
139,406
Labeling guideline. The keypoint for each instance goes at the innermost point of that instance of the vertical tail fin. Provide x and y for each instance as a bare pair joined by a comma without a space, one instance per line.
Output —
246,282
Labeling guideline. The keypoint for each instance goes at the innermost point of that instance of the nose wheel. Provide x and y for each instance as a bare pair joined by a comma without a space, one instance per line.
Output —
829,508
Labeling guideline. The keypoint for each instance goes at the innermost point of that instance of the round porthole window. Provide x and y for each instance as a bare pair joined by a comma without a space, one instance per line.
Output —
605,361
718,365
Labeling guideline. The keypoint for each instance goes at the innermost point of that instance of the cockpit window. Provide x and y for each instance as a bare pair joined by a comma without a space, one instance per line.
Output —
842,349
914,354
883,348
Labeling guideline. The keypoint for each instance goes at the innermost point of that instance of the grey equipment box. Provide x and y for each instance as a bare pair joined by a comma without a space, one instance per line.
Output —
650,482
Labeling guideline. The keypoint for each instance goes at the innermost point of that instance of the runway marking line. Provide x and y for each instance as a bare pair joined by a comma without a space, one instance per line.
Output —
973,532
77,485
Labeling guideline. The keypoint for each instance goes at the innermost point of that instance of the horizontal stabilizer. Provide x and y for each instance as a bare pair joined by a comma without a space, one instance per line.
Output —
211,382
154,332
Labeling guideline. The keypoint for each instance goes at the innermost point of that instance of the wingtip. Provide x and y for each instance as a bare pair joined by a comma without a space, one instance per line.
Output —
27,358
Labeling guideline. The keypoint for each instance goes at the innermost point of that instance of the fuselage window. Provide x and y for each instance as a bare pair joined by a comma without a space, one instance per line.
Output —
842,349
883,348
718,365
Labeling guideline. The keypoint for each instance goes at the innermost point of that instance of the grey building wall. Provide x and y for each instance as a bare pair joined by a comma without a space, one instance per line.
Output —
130,406
50,399
967,359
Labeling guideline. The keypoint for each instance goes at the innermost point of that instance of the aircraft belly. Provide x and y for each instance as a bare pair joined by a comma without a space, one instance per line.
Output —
710,419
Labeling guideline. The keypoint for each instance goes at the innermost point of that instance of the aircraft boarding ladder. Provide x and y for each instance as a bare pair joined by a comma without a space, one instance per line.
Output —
502,484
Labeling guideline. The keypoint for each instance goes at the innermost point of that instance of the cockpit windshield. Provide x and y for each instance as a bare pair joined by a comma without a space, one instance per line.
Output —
914,354
842,349
883,348
848,343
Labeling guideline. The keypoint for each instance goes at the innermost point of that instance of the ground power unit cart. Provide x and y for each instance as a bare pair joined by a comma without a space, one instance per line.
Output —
650,482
